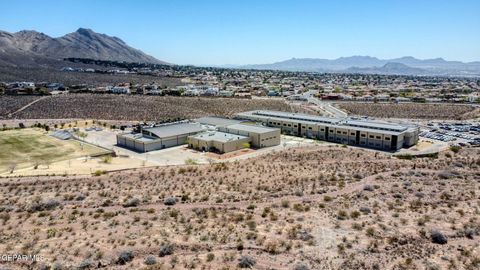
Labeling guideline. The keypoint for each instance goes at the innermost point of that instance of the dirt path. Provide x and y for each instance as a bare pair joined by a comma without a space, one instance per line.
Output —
26,106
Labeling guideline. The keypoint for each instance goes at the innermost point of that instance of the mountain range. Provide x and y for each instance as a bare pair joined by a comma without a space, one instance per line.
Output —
371,65
33,49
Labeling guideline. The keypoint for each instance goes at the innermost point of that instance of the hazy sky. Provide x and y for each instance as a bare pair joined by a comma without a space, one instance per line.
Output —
264,31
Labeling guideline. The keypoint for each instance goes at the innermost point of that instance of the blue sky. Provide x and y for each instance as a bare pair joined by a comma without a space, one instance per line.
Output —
219,32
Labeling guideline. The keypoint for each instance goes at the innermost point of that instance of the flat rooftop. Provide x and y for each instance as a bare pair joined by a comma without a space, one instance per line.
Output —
137,136
216,121
175,129
339,122
252,128
219,136
292,116
375,125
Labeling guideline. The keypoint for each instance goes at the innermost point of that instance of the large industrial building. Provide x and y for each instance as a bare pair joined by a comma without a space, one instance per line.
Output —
215,141
159,137
366,133
234,136
206,134
225,135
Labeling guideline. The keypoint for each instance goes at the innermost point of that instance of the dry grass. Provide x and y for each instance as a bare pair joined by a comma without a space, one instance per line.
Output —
116,107
409,110
323,208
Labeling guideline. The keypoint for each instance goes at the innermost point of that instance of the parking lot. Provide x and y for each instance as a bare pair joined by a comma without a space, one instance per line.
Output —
460,133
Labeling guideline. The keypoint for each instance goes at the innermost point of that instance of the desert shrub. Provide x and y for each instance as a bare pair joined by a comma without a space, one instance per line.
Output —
133,202
150,260
125,257
170,201
455,148
470,233
166,249
365,210
304,235
107,159
447,174
85,264
190,161
438,237
405,156
210,257
57,266
39,205
51,204
354,214
246,262
342,215
99,172
368,188
272,247
301,266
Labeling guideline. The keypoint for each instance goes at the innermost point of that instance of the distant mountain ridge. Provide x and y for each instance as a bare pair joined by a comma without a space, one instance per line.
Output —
407,65
31,48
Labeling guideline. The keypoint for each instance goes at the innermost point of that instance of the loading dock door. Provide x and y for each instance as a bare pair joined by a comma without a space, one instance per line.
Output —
299,130
393,144
357,137
326,134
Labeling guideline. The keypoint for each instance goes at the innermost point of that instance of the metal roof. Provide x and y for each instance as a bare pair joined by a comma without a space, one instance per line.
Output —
251,128
216,121
292,116
171,130
373,126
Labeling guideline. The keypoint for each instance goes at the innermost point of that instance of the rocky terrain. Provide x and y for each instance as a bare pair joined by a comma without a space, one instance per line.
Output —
32,49
306,208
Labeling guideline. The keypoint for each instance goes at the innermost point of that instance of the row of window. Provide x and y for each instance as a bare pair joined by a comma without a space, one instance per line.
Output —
266,139
331,131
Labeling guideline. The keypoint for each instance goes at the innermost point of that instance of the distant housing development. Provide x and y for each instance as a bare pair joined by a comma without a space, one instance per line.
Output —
225,135
366,133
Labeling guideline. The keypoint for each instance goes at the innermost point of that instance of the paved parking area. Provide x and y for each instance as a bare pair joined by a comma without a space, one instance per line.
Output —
104,138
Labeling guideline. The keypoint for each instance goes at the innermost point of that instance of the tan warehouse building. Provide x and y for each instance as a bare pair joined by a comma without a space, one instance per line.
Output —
215,141
261,136
159,137
234,137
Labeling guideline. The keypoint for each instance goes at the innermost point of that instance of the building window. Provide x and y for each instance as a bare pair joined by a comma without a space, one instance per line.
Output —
353,134
379,137
371,136
362,135
309,127
387,138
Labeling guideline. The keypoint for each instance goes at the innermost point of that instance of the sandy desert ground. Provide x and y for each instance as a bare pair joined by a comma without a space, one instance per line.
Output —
304,208
411,110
